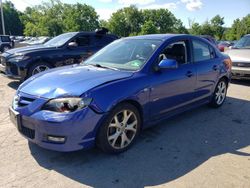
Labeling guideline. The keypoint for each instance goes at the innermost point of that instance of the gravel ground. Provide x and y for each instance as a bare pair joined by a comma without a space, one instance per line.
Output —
201,148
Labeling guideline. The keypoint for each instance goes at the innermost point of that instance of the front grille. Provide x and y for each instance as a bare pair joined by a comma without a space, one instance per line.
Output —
30,133
240,64
24,101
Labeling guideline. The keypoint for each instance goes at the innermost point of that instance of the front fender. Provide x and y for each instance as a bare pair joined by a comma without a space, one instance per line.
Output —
135,88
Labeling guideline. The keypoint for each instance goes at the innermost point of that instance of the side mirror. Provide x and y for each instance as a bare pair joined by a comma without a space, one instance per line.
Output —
168,64
72,45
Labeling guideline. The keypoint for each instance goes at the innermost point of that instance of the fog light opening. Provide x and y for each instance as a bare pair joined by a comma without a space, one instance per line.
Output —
56,139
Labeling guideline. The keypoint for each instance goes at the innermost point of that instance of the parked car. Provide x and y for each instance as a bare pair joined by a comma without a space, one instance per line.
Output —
224,45
127,86
40,40
5,43
240,55
33,41
69,48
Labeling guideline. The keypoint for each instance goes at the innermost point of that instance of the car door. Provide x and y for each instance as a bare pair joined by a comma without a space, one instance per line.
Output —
173,88
78,52
207,66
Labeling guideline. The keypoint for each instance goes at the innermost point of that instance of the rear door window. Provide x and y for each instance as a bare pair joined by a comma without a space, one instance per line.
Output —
101,40
201,51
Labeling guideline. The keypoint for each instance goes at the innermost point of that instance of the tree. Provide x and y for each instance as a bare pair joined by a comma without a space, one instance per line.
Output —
13,25
80,17
148,28
54,18
217,23
163,19
126,21
195,29
179,27
206,29
239,28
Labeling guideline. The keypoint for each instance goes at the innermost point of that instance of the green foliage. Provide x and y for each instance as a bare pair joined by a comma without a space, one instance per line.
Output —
217,23
130,21
126,21
13,25
54,17
214,27
239,28
148,28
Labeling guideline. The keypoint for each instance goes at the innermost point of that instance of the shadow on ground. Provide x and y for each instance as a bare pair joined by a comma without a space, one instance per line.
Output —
241,82
162,153
14,84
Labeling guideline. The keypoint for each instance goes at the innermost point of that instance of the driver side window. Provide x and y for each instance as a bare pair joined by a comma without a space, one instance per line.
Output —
82,41
176,51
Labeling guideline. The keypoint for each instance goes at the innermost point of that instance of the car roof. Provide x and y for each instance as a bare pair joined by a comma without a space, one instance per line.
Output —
94,33
158,36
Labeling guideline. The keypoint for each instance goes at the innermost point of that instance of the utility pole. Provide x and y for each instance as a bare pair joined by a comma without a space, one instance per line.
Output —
3,26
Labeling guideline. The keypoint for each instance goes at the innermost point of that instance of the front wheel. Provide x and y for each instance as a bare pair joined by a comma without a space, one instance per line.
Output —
219,94
38,67
6,48
120,129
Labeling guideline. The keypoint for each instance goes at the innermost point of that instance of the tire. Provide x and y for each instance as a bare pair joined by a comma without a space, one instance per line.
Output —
37,68
117,133
220,93
5,48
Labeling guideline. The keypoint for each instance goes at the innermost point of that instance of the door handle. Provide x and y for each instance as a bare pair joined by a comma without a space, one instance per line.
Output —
215,67
189,73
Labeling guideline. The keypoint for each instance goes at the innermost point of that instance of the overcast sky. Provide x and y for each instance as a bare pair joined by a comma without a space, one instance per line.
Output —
197,10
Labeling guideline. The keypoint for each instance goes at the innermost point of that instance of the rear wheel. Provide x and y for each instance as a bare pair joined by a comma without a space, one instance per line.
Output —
219,94
38,67
120,129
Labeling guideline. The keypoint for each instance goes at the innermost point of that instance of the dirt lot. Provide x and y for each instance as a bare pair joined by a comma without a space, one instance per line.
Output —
202,148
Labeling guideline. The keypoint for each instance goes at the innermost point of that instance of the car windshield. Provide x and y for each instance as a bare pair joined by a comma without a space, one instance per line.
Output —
244,42
125,54
59,40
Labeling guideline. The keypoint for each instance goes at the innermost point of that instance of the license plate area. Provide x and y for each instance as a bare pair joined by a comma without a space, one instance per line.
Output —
15,118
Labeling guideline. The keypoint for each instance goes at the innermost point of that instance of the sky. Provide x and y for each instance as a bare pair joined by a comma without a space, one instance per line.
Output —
195,10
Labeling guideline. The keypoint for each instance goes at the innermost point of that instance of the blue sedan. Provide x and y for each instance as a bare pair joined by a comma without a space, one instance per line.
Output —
129,85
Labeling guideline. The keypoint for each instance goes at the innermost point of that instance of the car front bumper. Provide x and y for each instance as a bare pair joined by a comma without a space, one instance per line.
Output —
241,72
78,128
11,70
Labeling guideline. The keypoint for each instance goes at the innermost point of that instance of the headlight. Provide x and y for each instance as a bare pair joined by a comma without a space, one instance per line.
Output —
19,58
67,105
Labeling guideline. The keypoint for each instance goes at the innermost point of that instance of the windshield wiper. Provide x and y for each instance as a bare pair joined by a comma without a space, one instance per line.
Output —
101,66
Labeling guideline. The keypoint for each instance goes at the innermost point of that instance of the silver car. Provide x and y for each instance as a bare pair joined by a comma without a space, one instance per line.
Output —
240,56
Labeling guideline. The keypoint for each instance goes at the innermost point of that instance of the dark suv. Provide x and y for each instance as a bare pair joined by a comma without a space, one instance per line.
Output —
5,43
66,49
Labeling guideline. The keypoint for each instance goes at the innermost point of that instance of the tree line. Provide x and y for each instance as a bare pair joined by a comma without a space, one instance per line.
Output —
54,17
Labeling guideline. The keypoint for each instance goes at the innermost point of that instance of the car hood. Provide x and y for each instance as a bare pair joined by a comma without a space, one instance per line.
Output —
28,49
69,81
239,55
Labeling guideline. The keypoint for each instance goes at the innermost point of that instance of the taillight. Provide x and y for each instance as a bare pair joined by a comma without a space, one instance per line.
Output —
228,63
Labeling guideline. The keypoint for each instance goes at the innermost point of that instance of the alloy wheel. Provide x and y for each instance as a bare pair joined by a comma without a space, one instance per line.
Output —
221,92
122,129
40,68
6,48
